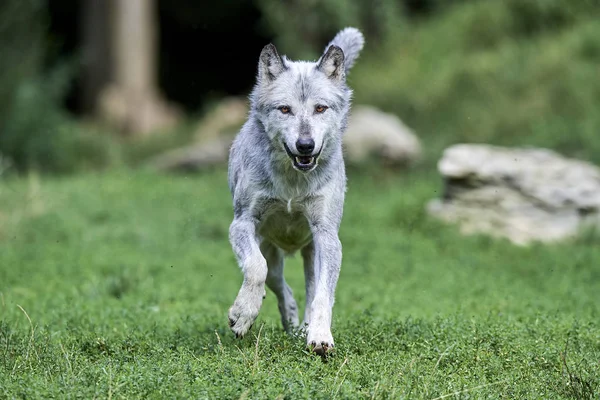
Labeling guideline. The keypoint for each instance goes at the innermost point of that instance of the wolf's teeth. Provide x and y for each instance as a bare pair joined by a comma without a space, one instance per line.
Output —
298,160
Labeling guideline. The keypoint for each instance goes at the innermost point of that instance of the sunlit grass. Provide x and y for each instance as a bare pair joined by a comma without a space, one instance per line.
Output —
118,286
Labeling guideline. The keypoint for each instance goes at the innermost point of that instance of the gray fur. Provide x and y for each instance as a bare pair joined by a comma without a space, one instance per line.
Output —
351,41
283,203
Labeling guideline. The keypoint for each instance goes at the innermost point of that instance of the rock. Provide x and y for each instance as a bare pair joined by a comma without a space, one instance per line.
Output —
225,119
372,134
213,137
194,158
524,195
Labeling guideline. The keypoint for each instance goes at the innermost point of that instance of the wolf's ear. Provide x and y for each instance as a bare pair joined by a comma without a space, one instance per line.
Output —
332,63
270,64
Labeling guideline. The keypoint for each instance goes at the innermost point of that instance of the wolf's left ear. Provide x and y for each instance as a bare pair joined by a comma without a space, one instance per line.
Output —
332,63
270,64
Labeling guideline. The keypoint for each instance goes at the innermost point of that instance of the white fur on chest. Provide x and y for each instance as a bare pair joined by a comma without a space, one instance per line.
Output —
285,224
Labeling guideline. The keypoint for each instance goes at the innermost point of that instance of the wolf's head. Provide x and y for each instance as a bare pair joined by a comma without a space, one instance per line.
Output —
303,106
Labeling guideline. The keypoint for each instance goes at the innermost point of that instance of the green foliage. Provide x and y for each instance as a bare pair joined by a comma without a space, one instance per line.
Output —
38,134
302,28
515,72
21,46
35,131
125,281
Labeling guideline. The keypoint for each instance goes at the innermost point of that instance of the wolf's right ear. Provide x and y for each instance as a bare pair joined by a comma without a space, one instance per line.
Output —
270,64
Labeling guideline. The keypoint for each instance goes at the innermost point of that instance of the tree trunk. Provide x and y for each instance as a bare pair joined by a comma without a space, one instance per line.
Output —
132,101
134,42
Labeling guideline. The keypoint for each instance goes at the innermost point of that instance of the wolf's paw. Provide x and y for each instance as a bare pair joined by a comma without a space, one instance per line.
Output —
320,341
241,319
244,311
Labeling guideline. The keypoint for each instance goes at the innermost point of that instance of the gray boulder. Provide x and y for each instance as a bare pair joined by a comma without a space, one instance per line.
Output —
373,134
223,120
212,138
206,154
521,194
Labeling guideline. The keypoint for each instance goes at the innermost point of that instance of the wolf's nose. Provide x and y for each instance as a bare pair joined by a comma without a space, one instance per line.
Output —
305,145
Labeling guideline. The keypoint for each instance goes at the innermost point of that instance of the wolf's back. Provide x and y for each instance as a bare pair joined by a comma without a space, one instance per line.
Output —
351,41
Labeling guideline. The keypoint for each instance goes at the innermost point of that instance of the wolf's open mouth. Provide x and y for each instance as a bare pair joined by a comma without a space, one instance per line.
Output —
302,163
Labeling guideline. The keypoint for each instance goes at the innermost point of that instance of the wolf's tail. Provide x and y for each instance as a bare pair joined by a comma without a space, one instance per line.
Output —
351,41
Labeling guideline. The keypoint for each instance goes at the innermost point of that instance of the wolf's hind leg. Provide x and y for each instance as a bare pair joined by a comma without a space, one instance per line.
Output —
276,282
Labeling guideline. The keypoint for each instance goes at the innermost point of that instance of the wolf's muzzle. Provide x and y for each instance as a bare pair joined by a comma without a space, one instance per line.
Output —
303,162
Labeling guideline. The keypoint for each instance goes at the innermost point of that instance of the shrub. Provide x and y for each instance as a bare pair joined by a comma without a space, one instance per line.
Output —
492,72
35,131
304,27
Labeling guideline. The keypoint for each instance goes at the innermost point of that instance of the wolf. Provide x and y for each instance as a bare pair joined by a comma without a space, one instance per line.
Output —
287,178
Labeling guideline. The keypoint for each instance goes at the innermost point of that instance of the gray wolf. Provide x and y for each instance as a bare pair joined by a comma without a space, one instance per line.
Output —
288,181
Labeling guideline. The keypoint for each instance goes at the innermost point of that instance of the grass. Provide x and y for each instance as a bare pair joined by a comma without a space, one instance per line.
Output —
117,286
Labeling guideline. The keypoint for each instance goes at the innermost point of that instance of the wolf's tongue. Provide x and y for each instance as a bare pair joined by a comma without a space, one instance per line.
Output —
304,159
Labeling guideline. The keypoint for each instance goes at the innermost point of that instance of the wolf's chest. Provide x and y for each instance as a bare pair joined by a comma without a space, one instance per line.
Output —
285,225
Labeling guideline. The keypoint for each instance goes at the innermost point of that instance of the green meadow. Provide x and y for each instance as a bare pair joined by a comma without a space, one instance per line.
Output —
117,285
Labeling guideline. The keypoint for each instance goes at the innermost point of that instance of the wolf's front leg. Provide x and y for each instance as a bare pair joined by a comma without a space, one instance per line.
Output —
246,246
308,256
327,263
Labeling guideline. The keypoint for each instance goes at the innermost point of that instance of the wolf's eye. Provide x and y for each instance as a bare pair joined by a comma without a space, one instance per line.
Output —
320,108
284,109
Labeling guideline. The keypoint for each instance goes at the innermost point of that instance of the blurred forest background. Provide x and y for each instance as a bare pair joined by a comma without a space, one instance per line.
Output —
91,84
